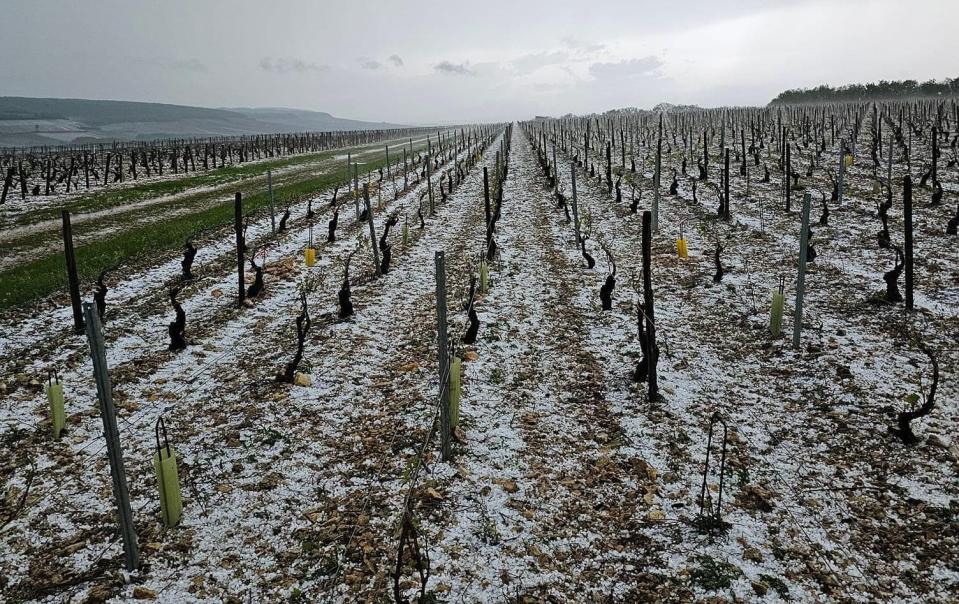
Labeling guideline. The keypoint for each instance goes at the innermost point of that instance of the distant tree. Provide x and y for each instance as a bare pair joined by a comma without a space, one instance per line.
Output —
883,89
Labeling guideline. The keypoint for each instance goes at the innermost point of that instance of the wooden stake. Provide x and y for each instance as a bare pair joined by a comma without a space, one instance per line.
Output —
369,220
907,237
652,354
112,435
572,172
801,279
238,227
269,186
443,356
726,187
72,277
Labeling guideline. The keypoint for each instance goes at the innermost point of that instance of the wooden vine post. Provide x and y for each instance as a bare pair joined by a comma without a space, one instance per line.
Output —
8,182
443,356
726,187
742,140
889,172
238,227
842,171
486,205
112,435
572,171
369,220
907,236
934,171
555,171
609,168
801,280
72,276
657,178
706,153
356,189
651,347
389,172
787,171
269,186
429,182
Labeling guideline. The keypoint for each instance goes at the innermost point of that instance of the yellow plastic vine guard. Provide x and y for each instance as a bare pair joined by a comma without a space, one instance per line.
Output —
456,389
484,276
310,252
168,481
776,313
681,248
849,159
54,391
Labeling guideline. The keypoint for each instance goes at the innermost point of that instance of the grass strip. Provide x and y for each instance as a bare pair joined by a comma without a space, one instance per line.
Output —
45,276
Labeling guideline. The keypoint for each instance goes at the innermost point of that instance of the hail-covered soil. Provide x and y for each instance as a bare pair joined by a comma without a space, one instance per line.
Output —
567,483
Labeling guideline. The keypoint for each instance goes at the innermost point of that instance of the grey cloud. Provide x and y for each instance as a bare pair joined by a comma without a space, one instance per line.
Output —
645,66
396,60
289,65
188,65
194,65
574,43
370,63
531,62
454,68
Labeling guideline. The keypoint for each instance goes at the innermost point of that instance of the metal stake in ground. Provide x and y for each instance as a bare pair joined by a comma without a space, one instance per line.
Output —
726,215
369,220
486,205
72,273
114,452
889,171
429,182
842,170
356,189
907,237
238,227
652,353
801,280
269,186
349,180
555,170
443,354
657,177
572,171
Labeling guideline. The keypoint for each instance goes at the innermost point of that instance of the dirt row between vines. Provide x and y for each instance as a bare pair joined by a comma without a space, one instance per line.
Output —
811,492
221,404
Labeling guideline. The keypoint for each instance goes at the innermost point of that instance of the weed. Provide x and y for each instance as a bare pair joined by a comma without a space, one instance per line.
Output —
713,575
777,584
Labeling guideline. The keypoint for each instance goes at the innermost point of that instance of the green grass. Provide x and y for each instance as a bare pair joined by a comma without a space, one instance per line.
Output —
126,194
713,575
222,177
219,176
44,276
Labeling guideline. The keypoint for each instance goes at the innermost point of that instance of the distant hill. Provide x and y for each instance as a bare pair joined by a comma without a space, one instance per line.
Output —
28,121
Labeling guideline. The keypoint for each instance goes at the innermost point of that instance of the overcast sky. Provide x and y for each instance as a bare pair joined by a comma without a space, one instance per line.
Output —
424,61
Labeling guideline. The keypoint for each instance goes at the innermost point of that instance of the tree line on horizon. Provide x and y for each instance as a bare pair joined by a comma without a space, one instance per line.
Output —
884,89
